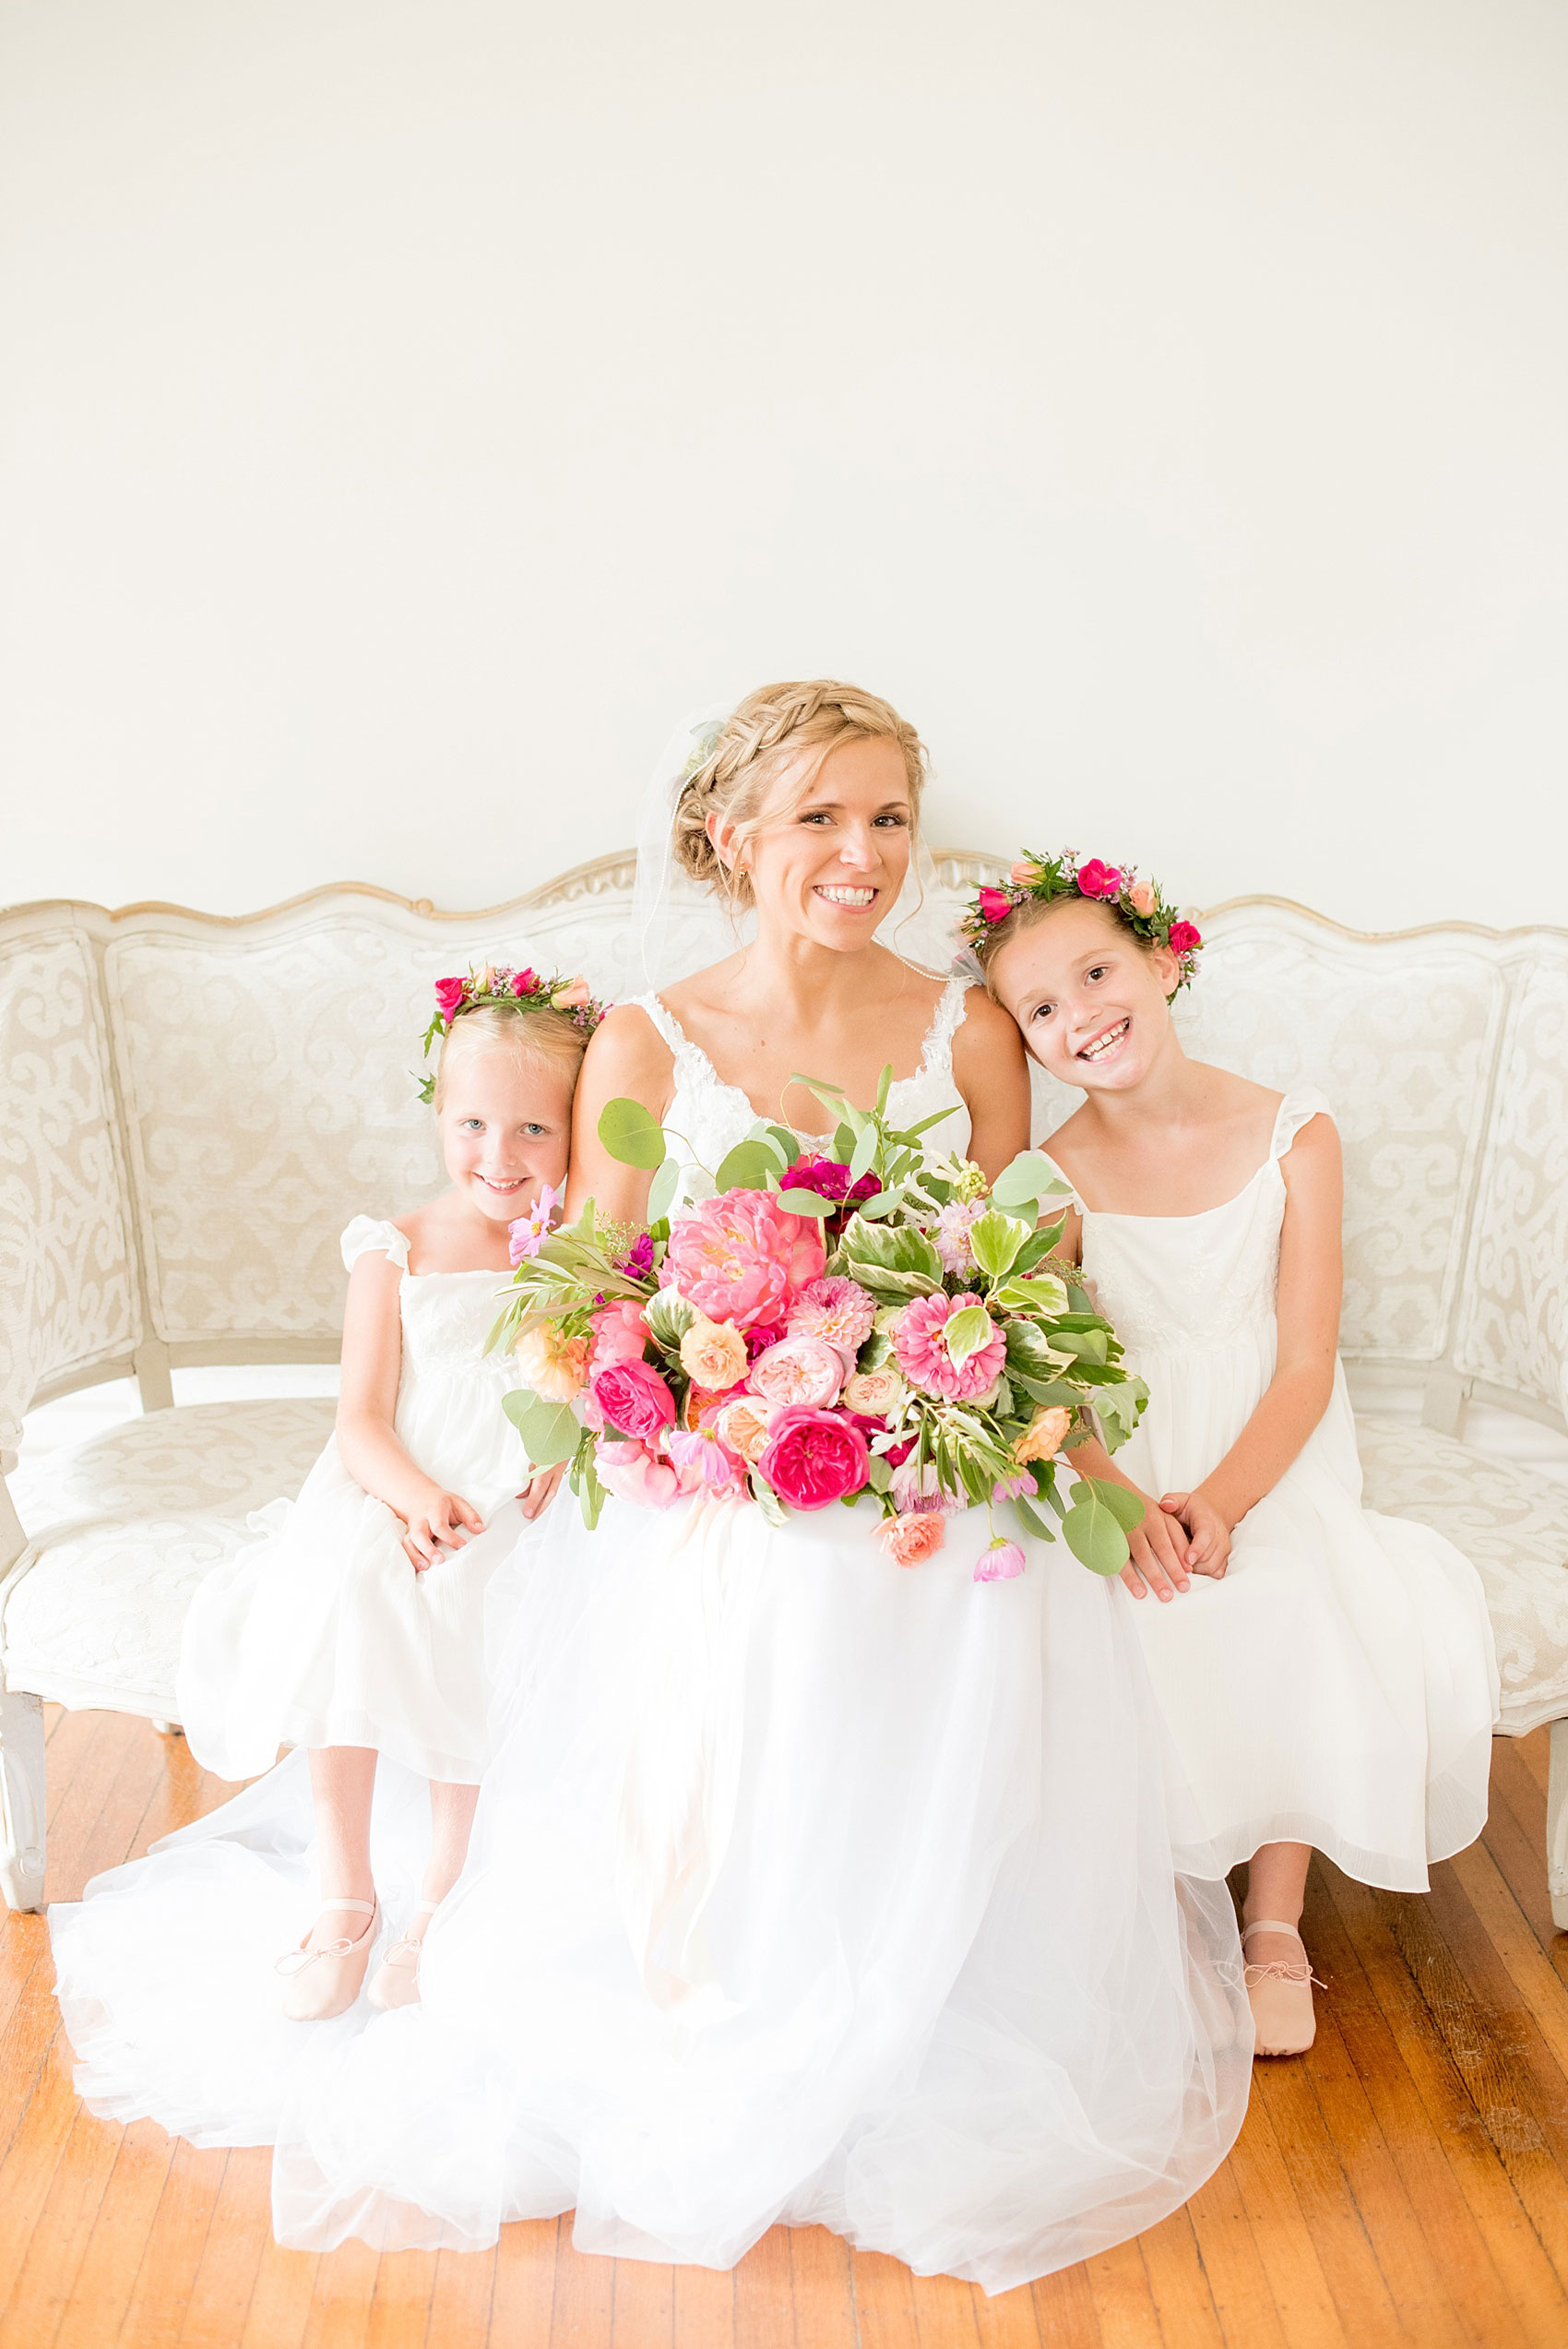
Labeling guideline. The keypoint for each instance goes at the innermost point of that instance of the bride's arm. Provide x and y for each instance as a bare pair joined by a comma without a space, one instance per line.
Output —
627,1059
992,1073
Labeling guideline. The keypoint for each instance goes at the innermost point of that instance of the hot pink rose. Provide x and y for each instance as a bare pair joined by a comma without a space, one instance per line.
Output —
909,1541
743,1258
994,904
633,1473
922,1355
1095,879
633,1398
1140,897
1184,938
813,1457
449,995
522,982
798,1370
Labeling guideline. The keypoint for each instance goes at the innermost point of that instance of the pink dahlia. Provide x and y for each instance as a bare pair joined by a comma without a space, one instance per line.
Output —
920,1346
953,1226
743,1258
836,1310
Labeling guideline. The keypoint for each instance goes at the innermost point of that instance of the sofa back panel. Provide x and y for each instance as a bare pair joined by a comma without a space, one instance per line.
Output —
1513,1327
1400,1034
270,1095
68,1296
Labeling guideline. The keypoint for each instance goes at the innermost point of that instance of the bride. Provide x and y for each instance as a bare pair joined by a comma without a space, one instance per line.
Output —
803,1887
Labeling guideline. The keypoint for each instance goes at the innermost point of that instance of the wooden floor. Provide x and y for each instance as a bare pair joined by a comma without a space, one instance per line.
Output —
1407,2181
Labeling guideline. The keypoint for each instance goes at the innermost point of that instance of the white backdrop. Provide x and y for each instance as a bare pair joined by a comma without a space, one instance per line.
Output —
410,406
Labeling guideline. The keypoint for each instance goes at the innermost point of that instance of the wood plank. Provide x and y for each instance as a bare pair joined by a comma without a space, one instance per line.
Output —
643,2311
225,2279
583,2307
1182,2298
1124,2299
1532,2289
1064,2309
104,2281
1284,2242
58,2239
174,2244
35,2085
705,2309
522,2307
1516,1943
399,2307
944,2312
1223,2233
823,2289
885,2301
1515,1836
460,2299
339,2307
1415,2144
282,2298
765,2296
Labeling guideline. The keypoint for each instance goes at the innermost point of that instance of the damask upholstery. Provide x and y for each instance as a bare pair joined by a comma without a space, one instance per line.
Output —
67,1284
1512,1524
98,1602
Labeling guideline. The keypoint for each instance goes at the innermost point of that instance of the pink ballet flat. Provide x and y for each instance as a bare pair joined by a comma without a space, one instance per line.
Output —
1281,1995
396,1982
325,1982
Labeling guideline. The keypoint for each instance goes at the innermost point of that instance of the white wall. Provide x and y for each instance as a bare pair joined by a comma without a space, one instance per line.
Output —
410,406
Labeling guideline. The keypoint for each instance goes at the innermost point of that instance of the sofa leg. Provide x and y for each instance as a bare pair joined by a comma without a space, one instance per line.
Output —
21,1799
1556,1826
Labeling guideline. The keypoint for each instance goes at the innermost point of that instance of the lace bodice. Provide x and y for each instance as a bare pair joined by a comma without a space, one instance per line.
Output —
713,1115
1182,1283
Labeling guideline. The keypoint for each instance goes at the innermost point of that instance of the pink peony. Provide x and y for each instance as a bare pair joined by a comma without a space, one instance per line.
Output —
836,1309
999,1563
633,1473
619,1331
994,904
1095,879
449,995
909,1541
1140,897
813,1457
1184,938
743,1258
923,1354
798,1370
633,1398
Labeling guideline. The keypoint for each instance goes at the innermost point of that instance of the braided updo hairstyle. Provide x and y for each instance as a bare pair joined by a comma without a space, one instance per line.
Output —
763,737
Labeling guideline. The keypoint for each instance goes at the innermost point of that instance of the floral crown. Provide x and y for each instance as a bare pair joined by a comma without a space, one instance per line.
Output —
519,991
1045,878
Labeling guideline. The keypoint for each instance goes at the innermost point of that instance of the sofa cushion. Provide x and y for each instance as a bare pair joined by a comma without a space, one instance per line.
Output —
94,1611
1513,1524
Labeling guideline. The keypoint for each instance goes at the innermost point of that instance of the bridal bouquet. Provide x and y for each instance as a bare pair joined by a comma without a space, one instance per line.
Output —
821,1328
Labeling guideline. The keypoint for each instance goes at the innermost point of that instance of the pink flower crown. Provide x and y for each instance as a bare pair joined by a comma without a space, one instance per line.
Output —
1046,878
520,991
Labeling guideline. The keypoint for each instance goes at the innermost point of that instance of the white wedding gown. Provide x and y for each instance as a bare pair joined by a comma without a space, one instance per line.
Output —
803,1887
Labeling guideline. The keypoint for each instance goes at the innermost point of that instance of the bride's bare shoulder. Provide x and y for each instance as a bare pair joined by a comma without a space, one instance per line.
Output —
692,1001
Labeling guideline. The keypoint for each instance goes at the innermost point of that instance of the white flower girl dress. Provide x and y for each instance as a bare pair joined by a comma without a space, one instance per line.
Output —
1337,1686
803,1887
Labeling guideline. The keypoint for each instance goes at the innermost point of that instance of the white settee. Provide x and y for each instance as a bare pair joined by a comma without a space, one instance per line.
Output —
193,1108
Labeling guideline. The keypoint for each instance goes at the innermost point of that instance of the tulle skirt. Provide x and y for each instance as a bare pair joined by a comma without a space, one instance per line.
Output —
803,1887
1339,1686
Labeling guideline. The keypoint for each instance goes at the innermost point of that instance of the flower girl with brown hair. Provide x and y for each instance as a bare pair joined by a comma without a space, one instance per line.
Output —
1327,1673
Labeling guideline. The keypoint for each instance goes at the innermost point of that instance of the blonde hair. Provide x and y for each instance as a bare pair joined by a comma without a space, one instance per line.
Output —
984,949
763,735
528,1035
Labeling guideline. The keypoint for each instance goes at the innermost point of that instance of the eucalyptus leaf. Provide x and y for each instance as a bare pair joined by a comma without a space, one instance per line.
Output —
806,1203
1124,1506
631,1134
662,1189
1033,1523
862,1154
879,1476
1026,1180
748,1167
881,1202
550,1431
883,1087
1094,1534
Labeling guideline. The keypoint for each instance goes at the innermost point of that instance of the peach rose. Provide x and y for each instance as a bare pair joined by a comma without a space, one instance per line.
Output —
1140,897
741,1426
552,1364
1025,873
874,1394
713,1354
572,996
911,1539
1045,1434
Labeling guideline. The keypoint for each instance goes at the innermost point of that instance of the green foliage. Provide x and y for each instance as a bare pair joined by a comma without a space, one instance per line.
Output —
662,1189
965,1332
748,1167
631,1134
550,1431
669,1316
995,1240
1025,1181
1093,1530
806,1203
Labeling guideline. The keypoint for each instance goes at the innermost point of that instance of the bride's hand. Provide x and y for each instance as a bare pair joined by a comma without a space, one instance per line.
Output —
1159,1553
541,1489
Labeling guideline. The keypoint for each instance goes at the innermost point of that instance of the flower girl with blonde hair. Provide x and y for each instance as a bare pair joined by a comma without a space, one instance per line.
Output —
1327,1673
355,1629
